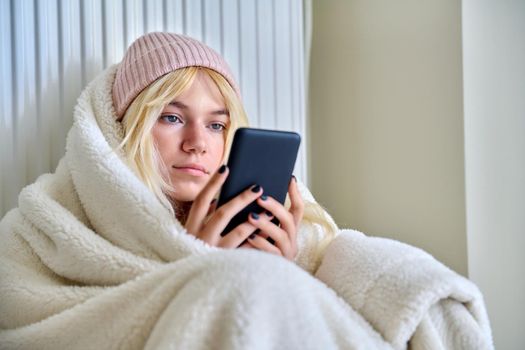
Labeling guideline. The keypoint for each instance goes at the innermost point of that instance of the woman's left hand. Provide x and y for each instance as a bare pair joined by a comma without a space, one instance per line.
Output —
285,236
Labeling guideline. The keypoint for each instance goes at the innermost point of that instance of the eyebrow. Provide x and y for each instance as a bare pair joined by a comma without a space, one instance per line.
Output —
181,105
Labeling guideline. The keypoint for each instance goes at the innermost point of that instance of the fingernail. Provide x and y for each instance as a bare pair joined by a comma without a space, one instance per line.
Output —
294,178
268,213
264,197
222,169
213,200
252,236
255,216
256,188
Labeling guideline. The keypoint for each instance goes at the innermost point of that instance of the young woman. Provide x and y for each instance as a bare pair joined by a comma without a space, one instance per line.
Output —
188,143
178,131
120,247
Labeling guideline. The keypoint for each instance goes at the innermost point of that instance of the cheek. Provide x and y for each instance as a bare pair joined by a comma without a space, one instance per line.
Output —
217,150
164,141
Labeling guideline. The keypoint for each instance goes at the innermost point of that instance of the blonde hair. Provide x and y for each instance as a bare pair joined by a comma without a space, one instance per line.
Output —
144,159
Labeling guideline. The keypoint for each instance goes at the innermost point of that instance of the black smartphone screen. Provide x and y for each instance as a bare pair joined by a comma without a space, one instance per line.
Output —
263,157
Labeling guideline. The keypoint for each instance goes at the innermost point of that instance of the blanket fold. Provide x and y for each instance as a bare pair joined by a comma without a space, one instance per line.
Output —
398,288
91,259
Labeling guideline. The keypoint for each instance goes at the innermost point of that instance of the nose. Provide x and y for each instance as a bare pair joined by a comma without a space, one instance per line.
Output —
194,139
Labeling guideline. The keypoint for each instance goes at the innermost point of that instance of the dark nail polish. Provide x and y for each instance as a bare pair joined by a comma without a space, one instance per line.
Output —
294,178
256,188
268,213
255,216
222,169
252,236
264,197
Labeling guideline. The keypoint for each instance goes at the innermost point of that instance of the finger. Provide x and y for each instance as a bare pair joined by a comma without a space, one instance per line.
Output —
200,206
262,244
281,238
223,215
247,245
236,236
279,211
297,203
213,206
263,234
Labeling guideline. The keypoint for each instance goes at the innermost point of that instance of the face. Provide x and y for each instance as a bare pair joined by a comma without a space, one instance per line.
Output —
190,137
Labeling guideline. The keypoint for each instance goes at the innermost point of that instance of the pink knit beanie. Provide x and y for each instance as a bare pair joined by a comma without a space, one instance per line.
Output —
156,54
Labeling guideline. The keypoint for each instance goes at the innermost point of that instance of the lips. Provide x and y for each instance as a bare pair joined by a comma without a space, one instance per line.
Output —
195,169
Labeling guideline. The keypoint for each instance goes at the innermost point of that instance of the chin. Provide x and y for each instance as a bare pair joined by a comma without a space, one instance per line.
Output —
185,196
189,192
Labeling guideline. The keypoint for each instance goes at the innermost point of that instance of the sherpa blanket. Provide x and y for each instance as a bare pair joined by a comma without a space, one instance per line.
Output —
91,259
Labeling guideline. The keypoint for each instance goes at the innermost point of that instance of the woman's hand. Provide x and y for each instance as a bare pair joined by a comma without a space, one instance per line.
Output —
207,224
285,236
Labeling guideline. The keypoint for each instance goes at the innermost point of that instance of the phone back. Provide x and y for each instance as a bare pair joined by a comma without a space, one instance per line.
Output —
263,157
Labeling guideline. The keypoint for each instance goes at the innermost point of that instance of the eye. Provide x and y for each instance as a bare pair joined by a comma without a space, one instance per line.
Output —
171,118
218,127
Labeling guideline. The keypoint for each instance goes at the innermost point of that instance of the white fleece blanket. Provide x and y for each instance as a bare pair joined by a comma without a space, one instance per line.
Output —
92,260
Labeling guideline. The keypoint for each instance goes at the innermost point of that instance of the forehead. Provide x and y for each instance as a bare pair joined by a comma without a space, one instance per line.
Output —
202,90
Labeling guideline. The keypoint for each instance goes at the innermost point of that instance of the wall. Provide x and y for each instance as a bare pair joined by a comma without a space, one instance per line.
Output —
386,121
494,80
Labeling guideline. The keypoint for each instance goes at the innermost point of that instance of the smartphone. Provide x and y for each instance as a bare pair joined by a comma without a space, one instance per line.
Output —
263,157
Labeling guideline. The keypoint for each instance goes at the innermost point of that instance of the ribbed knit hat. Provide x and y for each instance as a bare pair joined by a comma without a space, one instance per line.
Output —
156,54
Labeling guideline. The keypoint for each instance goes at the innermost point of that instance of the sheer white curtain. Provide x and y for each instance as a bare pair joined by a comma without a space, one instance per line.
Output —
52,48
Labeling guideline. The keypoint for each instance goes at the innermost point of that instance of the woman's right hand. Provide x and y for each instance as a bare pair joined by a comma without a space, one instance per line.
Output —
207,224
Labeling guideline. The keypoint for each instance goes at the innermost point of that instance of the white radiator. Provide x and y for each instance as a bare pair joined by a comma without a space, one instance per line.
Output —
50,49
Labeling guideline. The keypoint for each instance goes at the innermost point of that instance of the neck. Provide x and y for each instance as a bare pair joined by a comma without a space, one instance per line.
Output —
182,209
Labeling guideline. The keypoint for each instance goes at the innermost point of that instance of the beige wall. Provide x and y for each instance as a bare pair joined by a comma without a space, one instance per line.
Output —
494,90
386,125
